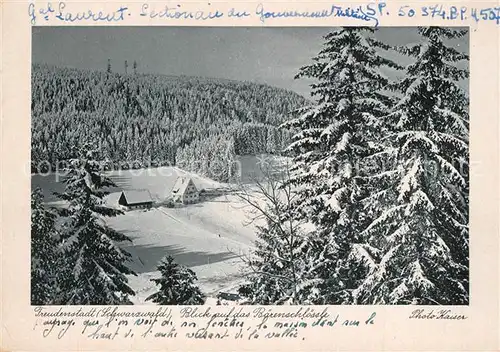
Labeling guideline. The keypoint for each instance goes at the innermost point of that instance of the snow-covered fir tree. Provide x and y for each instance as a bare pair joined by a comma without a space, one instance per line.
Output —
213,156
94,270
271,275
176,285
280,271
335,136
43,251
276,266
420,203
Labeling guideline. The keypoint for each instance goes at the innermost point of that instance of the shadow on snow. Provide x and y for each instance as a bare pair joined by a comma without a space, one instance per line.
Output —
146,258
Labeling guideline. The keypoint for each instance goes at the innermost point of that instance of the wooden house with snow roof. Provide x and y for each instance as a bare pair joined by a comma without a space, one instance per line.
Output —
185,191
135,199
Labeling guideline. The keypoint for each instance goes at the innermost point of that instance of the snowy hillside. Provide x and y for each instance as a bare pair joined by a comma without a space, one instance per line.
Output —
158,181
209,237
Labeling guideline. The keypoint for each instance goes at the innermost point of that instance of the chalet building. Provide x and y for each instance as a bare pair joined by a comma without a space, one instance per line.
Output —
185,191
135,199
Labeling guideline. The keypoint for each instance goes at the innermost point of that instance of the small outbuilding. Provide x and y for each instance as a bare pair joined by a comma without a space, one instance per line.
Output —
185,191
228,298
136,199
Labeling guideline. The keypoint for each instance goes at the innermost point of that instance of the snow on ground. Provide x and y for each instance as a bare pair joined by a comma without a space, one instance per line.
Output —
206,237
158,181
209,237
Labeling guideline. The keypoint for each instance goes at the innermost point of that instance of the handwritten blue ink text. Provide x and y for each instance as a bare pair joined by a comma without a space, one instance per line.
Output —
89,15
177,13
368,13
64,15
462,13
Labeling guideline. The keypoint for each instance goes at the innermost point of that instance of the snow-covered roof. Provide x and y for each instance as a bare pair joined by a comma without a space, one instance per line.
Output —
181,184
134,197
229,296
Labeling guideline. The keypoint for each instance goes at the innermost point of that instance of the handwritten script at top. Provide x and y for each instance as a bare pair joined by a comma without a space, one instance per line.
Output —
369,14
191,322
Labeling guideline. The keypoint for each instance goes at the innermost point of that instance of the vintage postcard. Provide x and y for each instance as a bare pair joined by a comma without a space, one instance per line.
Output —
250,176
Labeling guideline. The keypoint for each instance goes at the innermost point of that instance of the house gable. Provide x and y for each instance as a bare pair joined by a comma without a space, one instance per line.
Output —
122,200
185,190
190,188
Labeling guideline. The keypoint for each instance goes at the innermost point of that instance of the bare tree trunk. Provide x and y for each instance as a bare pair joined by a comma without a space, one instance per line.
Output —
271,199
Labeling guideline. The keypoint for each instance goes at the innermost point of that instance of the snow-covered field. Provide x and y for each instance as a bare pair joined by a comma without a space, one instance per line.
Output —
209,237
